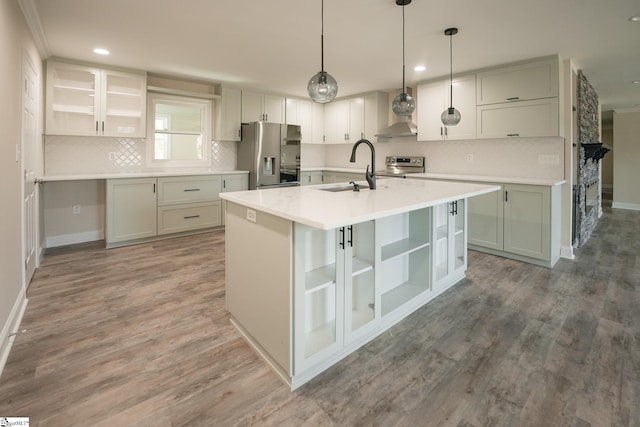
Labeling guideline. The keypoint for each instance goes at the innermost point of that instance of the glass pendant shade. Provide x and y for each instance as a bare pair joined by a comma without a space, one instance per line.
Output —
322,87
450,117
403,105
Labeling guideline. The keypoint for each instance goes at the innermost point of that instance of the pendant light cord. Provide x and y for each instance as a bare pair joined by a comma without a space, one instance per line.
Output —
404,89
322,36
450,71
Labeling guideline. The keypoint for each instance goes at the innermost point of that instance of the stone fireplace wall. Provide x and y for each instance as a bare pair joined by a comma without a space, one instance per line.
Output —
588,205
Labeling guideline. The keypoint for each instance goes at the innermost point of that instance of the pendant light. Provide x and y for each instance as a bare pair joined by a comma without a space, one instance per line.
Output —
450,116
322,87
403,104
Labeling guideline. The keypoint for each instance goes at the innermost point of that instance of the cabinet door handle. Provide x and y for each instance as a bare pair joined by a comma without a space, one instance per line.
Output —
191,216
513,134
441,131
309,178
513,98
506,196
342,237
455,207
191,189
96,127
446,131
350,235
224,184
103,126
154,188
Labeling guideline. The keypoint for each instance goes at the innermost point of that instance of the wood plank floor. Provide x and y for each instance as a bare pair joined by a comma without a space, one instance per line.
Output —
139,336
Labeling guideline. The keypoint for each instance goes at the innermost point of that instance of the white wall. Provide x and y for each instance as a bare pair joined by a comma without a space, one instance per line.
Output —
626,155
15,42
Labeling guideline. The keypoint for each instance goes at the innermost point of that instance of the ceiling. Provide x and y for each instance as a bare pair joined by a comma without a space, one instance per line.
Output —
274,45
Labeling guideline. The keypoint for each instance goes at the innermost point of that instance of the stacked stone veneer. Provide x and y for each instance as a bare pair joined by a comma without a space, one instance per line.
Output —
588,169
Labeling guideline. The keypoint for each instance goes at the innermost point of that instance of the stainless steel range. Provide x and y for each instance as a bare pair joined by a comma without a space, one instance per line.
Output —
399,166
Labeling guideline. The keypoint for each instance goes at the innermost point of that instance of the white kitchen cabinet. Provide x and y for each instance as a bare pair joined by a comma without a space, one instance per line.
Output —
520,221
486,220
131,209
302,112
311,178
344,121
90,101
334,290
143,209
527,220
262,107
519,119
317,124
450,243
521,82
434,98
229,115
235,182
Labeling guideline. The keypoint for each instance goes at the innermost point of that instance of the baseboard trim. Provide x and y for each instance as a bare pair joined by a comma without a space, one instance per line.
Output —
567,252
628,206
72,239
11,327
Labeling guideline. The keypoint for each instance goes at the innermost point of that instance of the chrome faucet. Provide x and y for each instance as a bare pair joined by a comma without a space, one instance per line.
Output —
370,176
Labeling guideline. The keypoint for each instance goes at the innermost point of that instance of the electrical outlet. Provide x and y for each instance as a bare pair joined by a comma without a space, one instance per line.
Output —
251,215
112,155
548,159
470,158
76,209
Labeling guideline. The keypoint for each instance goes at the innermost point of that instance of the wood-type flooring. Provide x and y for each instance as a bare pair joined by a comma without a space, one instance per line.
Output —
139,336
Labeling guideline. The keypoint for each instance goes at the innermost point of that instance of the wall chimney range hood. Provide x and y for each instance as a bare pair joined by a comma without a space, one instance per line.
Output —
403,127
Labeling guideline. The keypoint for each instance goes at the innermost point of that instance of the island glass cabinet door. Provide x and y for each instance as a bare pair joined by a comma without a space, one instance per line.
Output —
334,290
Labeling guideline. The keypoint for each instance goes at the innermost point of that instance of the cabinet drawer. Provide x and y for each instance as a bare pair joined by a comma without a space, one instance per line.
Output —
188,189
174,219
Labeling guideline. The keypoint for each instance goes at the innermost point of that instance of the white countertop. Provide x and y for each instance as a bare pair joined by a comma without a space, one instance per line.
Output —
140,174
492,179
327,210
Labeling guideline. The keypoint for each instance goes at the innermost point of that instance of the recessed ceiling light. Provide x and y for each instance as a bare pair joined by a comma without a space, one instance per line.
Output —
635,82
419,68
635,18
101,51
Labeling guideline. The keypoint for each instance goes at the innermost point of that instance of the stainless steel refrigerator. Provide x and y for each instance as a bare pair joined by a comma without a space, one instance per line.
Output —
271,154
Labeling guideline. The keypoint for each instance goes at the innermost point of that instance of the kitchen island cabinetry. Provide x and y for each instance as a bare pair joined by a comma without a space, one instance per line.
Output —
450,233
89,101
434,98
262,107
332,279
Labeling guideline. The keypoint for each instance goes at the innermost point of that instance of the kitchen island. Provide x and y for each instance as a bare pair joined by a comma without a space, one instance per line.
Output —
312,273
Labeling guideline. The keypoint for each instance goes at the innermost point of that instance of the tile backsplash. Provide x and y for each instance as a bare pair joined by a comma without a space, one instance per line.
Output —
71,155
517,157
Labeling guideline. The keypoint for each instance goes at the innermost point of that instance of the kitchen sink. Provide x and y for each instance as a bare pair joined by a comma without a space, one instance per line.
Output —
343,187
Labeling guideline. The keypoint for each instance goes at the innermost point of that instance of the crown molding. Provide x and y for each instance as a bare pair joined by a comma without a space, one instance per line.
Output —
30,12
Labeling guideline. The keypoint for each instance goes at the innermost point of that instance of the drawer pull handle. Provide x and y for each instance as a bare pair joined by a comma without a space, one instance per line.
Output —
513,98
191,189
192,216
513,134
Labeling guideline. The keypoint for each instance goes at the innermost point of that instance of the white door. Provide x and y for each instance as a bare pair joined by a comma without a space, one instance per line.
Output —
29,143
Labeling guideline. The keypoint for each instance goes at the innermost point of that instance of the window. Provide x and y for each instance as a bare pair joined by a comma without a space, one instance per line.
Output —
178,133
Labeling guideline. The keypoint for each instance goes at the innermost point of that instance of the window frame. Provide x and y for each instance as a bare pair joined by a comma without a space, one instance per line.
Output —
204,105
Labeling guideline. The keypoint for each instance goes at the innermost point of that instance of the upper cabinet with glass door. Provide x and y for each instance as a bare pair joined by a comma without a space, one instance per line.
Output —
88,101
